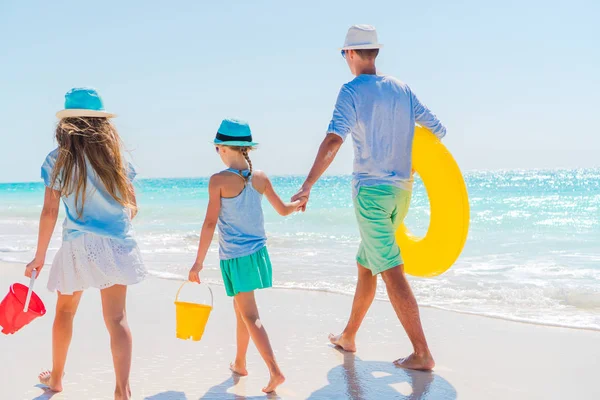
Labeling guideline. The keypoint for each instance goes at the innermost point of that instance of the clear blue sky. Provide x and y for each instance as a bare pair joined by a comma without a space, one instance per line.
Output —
516,82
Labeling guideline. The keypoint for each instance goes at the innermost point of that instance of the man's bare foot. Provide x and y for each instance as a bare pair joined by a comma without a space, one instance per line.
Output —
342,342
274,382
238,369
46,379
416,362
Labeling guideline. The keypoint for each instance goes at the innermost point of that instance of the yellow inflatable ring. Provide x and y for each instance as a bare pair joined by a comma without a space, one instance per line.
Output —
434,253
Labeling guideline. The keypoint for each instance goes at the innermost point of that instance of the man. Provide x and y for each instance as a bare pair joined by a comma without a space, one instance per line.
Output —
379,112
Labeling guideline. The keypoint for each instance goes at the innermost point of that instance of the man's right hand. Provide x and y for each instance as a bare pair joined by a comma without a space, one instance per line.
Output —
327,152
303,192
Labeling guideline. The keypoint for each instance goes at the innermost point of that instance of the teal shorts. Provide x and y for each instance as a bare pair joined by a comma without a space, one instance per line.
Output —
245,274
380,210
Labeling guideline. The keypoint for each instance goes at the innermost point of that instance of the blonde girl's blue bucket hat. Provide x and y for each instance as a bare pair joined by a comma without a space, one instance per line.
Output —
234,132
83,102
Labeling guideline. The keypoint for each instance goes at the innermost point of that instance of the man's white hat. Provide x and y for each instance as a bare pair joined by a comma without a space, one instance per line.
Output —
361,37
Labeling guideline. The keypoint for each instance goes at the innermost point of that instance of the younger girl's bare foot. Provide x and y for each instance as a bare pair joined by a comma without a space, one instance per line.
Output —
274,382
417,362
123,396
343,343
46,379
238,368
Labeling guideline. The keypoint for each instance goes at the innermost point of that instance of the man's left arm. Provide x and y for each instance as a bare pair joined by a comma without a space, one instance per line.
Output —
424,117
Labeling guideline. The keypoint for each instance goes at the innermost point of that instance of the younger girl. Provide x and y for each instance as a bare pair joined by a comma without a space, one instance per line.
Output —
235,207
87,171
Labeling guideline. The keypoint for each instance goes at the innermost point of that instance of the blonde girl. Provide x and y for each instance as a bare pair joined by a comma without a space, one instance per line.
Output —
88,172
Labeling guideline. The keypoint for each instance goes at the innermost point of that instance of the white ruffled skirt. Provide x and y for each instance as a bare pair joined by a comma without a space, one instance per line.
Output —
95,261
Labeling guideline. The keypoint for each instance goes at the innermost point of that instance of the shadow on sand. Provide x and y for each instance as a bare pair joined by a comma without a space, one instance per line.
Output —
170,395
354,379
363,380
220,392
47,395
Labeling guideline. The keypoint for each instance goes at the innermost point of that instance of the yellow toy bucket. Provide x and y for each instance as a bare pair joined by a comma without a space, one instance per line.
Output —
191,318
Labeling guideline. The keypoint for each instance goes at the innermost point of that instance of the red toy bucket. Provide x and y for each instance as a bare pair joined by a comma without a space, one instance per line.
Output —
13,314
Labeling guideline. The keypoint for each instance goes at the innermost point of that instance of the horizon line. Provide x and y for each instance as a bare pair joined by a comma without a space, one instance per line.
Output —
466,172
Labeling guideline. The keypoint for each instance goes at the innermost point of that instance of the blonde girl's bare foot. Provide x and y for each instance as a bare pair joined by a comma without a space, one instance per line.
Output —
52,384
238,368
416,362
274,382
343,343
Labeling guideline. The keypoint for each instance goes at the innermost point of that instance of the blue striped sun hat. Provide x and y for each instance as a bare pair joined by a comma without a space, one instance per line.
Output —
234,132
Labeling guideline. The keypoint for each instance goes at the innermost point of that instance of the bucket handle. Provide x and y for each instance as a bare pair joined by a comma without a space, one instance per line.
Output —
29,292
209,289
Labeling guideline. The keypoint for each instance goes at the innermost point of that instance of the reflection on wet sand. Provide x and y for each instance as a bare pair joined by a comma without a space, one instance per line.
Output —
362,380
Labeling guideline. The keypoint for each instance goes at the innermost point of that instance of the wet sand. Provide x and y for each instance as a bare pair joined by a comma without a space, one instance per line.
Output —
477,357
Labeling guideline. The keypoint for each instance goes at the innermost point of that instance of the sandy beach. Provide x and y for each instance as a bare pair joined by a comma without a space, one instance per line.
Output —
320,130
477,357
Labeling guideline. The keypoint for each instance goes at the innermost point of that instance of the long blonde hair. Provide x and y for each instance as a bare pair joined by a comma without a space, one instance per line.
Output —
97,141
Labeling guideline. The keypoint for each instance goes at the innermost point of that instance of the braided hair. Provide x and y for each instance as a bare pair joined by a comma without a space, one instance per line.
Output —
244,151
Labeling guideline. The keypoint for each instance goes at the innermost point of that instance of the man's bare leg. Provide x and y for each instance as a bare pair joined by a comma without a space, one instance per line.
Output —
407,310
363,298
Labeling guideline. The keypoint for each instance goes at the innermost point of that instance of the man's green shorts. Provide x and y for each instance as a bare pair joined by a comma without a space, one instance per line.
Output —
380,210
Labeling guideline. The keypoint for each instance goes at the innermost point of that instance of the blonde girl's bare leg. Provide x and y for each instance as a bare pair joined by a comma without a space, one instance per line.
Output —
115,317
62,332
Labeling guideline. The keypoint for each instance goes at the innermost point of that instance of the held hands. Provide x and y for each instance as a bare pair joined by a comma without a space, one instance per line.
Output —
300,203
194,275
302,195
36,265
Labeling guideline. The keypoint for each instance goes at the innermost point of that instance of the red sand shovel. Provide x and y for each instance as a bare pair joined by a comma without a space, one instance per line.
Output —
20,306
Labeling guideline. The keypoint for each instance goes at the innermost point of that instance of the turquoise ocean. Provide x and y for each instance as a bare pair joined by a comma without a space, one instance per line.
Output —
533,252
